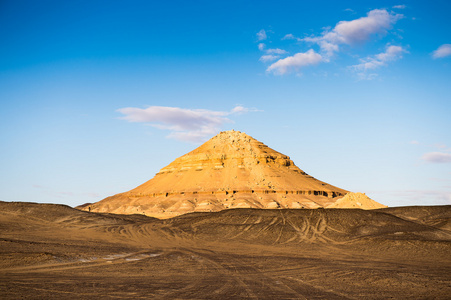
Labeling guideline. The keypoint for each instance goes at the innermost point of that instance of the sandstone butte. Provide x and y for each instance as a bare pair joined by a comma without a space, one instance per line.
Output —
231,170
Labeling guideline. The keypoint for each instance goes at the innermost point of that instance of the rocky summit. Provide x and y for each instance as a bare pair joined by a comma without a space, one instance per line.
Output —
231,170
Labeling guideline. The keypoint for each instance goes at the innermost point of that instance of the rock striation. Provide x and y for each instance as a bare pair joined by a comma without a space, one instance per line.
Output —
231,170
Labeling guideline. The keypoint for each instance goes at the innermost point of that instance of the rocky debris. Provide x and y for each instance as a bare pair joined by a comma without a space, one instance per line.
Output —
356,200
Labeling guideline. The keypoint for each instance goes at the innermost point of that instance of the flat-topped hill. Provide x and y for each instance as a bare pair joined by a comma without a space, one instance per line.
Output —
231,170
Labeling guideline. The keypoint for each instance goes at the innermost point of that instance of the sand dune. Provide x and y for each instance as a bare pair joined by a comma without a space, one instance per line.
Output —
54,251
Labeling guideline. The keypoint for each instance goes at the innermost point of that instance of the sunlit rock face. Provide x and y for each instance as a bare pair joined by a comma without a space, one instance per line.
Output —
231,170
356,200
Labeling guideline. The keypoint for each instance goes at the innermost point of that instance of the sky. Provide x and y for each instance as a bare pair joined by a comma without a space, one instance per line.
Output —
97,96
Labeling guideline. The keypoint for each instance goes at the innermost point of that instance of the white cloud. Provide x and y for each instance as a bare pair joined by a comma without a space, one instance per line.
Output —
360,30
392,53
192,125
261,35
437,157
377,21
357,31
328,48
239,109
271,54
289,37
267,58
295,62
276,51
442,51
402,6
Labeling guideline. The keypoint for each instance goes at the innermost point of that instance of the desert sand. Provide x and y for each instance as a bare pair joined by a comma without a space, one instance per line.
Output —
231,170
232,219
50,251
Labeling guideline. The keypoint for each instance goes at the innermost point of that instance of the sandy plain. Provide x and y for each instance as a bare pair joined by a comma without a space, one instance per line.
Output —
50,251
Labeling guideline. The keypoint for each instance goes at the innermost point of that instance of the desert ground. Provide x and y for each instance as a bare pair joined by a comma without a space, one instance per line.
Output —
50,251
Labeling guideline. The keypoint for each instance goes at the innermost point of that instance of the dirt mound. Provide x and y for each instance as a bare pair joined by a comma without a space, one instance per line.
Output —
356,200
231,170
304,225
58,213
436,216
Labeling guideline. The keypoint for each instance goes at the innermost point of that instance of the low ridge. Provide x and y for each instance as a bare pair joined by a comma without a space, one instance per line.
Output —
231,170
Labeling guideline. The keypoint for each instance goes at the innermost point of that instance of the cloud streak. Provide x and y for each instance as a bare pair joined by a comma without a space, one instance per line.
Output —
377,22
261,35
358,31
268,58
442,51
437,157
392,53
192,125
295,62
276,51
270,54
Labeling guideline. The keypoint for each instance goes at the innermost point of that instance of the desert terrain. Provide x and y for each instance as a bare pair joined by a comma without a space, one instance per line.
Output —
50,251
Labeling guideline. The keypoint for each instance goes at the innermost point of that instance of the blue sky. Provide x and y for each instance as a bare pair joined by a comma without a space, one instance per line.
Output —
97,96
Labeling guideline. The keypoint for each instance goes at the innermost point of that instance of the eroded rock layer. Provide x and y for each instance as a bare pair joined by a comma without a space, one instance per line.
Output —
231,170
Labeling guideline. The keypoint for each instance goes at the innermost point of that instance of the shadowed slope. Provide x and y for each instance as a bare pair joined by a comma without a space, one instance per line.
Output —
58,213
306,225
436,216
